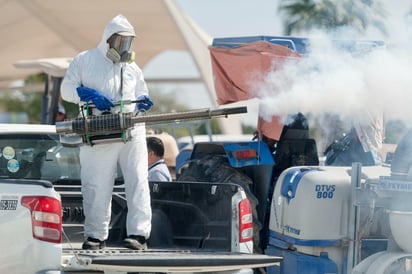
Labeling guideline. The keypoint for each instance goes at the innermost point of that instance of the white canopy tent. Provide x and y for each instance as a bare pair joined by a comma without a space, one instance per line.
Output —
55,31
33,29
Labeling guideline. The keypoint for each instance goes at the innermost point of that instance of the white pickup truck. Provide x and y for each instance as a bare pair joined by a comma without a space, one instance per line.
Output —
30,226
197,227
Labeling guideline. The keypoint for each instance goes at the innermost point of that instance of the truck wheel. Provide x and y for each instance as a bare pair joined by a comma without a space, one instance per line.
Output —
216,168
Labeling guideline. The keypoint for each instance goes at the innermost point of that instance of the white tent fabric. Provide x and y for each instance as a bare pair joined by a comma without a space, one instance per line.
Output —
198,42
34,29
44,29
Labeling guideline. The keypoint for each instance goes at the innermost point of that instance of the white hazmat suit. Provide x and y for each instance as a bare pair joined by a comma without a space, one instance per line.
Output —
93,69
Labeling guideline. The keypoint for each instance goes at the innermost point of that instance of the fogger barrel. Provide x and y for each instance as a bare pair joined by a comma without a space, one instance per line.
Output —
108,124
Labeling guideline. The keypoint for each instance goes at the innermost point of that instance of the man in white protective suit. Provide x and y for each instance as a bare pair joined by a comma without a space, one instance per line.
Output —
106,77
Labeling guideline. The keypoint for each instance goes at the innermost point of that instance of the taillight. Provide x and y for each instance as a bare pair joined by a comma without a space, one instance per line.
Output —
244,154
46,217
245,221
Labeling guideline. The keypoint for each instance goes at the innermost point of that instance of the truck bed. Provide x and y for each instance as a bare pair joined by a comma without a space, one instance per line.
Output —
195,216
191,231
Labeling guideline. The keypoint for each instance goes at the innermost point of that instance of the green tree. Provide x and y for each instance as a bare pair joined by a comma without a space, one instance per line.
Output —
18,102
304,15
166,103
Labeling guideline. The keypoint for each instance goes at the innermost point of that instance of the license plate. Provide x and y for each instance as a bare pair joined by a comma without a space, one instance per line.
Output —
8,204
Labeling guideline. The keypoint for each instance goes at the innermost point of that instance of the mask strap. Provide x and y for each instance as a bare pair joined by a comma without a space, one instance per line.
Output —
123,135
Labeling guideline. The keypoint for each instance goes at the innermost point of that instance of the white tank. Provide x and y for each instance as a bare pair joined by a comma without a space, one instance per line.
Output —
318,208
311,206
401,227
400,215
398,194
385,262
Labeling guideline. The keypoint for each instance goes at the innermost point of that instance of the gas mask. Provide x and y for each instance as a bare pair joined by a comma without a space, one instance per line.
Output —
120,48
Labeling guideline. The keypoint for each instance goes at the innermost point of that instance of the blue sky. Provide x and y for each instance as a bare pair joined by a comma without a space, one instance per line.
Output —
222,18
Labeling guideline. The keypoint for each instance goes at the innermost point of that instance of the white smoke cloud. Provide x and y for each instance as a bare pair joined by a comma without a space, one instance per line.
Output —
342,83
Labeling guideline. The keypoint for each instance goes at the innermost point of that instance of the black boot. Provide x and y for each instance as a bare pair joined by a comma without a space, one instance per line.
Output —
135,242
93,244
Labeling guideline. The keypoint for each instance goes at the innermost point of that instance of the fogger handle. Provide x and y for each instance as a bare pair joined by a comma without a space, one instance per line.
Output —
125,102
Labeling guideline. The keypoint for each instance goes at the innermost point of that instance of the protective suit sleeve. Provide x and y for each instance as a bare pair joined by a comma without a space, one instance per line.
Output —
71,81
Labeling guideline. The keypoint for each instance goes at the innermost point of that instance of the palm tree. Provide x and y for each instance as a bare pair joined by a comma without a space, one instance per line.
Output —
300,15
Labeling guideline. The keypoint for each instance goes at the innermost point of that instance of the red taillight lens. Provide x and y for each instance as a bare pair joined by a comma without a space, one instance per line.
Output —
46,217
244,154
245,221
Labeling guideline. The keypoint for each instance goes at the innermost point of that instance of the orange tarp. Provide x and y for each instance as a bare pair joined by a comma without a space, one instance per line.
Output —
238,71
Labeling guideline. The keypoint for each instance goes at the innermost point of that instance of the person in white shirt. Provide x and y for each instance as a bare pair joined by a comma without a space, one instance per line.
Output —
158,170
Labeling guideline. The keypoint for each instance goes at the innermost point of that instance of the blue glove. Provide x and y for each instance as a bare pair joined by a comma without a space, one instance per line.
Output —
146,105
99,100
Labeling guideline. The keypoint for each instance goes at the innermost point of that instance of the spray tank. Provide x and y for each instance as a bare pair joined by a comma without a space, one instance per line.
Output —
344,219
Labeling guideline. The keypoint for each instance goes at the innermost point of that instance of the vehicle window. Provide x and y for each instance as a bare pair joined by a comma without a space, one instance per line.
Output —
37,156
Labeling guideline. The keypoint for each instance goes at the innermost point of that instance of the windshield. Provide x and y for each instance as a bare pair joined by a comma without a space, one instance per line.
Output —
37,156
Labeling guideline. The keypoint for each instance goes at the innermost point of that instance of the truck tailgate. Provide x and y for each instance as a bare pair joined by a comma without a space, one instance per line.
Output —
172,261
186,215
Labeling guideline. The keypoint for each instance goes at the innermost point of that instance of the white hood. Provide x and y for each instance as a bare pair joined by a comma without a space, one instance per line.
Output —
117,24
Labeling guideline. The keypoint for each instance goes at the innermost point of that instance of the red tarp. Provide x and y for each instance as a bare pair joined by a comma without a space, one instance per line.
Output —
238,71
